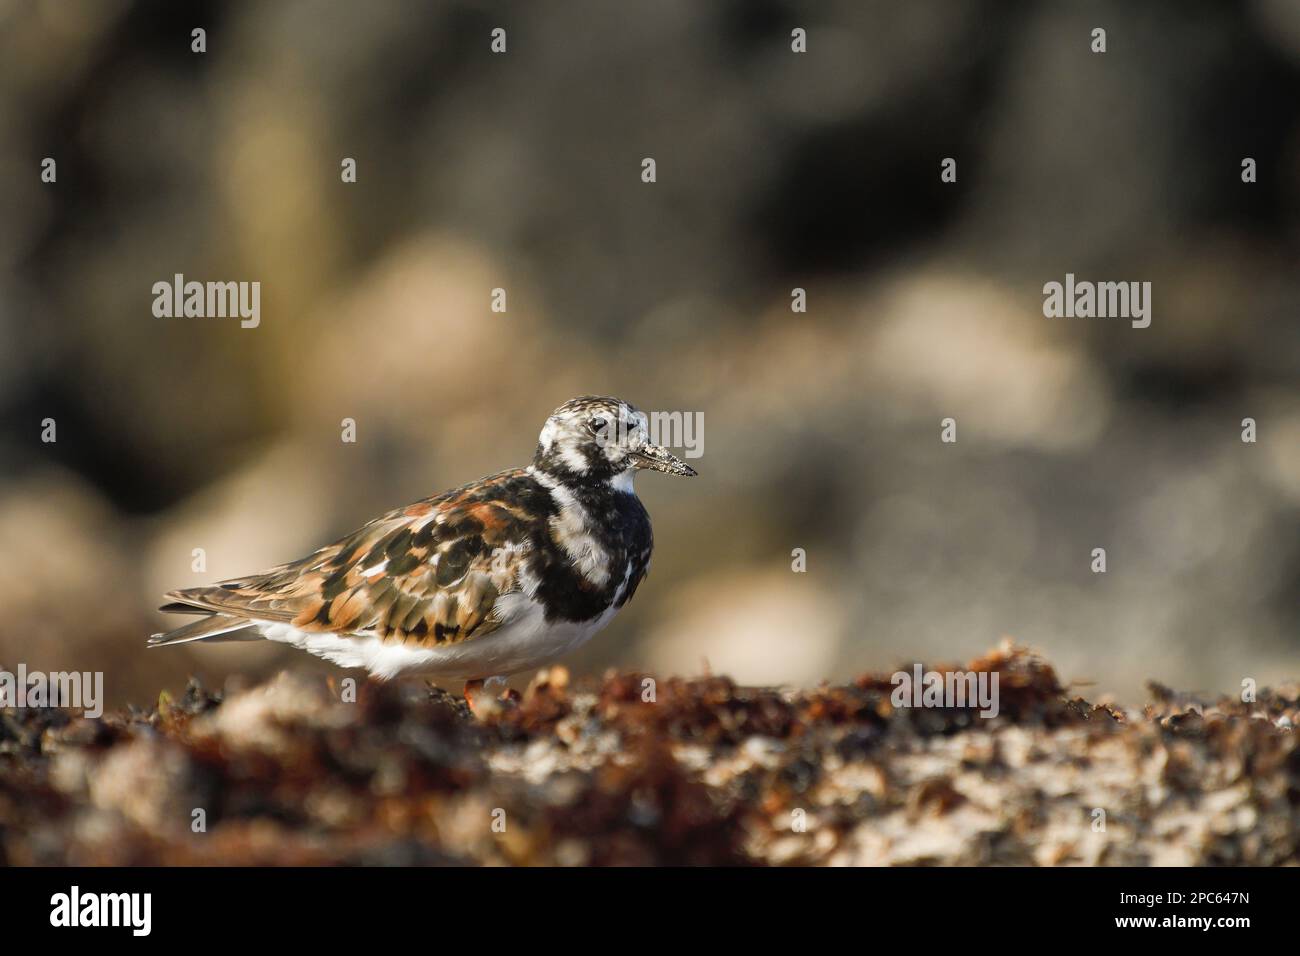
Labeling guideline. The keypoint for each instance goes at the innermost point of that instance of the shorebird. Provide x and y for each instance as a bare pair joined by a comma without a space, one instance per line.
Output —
502,575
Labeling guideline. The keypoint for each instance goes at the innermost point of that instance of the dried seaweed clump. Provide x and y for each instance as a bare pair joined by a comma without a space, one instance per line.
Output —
630,770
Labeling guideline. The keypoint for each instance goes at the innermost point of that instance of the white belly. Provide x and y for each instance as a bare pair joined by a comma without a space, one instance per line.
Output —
525,641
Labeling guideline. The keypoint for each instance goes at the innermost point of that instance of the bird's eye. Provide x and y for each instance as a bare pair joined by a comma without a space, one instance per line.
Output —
598,424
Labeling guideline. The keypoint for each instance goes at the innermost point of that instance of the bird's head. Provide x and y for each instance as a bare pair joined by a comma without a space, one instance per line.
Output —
601,440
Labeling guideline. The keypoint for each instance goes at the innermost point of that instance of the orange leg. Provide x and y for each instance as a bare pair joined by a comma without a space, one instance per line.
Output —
478,695
473,688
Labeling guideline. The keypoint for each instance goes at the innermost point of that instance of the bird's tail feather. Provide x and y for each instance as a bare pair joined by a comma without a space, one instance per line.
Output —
214,627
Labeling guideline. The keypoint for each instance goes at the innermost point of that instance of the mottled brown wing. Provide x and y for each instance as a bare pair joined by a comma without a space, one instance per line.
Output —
428,574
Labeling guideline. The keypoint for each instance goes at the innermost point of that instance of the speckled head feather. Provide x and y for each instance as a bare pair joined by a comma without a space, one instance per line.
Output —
593,439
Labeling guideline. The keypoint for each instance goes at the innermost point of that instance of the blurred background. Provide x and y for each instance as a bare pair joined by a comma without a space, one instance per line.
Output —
775,170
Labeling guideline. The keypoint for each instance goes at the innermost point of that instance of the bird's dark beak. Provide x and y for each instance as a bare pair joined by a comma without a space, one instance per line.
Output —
658,458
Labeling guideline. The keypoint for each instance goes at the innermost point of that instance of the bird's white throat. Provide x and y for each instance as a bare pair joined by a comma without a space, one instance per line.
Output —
623,481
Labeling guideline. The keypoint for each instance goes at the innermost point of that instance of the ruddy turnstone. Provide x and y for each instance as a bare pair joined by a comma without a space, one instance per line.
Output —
499,576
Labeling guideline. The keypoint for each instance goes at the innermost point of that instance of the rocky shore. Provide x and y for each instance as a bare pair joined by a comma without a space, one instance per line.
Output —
631,769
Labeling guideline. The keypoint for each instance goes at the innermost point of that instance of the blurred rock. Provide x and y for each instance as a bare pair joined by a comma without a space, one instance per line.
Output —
65,563
759,627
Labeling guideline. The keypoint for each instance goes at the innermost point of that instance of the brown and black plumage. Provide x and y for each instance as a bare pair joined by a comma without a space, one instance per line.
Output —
497,576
